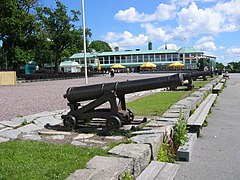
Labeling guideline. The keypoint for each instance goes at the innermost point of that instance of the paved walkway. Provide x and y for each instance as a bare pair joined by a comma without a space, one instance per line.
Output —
216,152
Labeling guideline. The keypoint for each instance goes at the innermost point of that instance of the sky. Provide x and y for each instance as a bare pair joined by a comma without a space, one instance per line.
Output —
212,26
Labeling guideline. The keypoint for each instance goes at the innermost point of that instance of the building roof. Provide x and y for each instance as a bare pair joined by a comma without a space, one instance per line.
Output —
189,50
127,52
136,52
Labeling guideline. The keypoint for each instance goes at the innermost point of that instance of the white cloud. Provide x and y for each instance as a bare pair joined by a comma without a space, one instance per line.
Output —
125,39
194,20
170,46
156,33
206,44
162,13
204,39
233,51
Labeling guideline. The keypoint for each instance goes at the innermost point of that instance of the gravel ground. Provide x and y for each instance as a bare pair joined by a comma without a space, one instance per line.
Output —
34,97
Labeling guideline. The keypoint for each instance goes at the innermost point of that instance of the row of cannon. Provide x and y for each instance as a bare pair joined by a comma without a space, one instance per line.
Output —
114,93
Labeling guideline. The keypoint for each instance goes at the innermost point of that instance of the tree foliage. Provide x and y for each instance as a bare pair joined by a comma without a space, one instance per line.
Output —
59,29
100,46
17,30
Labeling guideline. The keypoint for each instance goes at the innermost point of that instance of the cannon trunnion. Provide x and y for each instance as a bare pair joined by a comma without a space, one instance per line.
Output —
114,94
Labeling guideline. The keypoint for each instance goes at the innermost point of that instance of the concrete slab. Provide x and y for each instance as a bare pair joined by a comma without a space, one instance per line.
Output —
51,132
167,119
171,115
12,133
141,154
184,152
2,139
42,121
31,136
2,126
78,143
157,123
83,136
150,130
154,140
30,127
13,123
86,174
110,167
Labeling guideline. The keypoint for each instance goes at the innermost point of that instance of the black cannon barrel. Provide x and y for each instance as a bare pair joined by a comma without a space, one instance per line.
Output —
196,74
77,94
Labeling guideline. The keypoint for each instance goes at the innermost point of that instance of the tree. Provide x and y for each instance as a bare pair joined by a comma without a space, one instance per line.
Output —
17,29
60,30
100,46
116,48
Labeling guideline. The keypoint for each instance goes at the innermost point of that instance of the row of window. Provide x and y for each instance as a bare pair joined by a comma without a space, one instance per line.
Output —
138,58
142,58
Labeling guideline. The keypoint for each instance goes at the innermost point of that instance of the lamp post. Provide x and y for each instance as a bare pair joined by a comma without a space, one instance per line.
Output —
84,43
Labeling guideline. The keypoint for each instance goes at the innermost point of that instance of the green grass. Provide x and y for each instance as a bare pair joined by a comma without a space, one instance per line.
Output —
156,104
199,84
38,160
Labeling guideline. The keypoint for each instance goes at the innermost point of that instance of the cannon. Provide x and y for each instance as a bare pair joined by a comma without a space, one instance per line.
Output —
192,76
114,93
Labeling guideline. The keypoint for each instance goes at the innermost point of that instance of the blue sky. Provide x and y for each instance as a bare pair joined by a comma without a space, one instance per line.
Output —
213,26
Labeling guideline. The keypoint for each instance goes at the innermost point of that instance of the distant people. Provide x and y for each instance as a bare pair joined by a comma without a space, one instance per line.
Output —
127,70
112,72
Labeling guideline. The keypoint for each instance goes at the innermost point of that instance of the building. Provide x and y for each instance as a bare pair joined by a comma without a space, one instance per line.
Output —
190,57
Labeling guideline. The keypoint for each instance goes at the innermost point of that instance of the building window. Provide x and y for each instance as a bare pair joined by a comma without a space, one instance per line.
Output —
128,58
134,58
187,61
175,57
151,58
169,57
123,59
106,61
111,59
157,57
101,60
146,58
140,58
163,57
117,58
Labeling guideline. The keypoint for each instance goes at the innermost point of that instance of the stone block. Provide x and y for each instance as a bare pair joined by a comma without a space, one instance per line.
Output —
42,121
13,122
184,152
150,130
12,133
154,140
110,167
187,103
141,154
78,143
31,136
30,128
3,139
171,115
157,123
167,119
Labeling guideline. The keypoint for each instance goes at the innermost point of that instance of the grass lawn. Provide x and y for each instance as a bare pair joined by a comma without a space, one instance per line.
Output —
38,160
199,84
156,104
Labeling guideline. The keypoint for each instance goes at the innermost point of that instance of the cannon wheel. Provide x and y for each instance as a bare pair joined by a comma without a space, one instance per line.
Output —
113,123
70,122
131,115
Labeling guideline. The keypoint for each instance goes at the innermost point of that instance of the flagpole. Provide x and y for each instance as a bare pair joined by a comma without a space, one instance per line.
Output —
84,43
